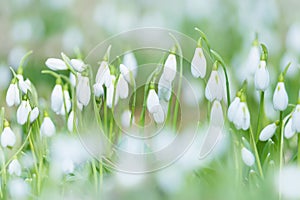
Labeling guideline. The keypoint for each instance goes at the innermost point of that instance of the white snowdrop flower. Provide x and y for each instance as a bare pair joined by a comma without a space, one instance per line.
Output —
164,89
78,65
198,66
57,99
253,58
13,95
129,61
98,89
152,100
214,87
14,168
127,74
280,97
23,112
110,93
248,157
71,121
67,100
170,68
56,64
158,114
47,128
72,79
267,132
83,91
216,116
288,131
262,77
242,117
103,74
125,118
233,108
23,85
18,189
296,119
8,137
122,87
34,114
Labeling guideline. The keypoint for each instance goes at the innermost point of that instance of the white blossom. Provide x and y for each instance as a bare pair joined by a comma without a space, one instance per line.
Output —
110,93
78,65
262,77
288,131
67,100
280,97
56,64
152,100
129,61
296,119
170,68
233,108
14,168
242,117
13,95
71,121
98,89
158,114
267,132
23,112
8,137
34,114
57,99
214,87
198,66
23,85
103,74
122,87
83,91
164,89
248,157
127,74
47,128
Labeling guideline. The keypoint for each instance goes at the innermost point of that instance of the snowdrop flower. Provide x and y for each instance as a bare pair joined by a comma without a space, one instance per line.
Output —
24,85
103,74
129,61
158,114
57,99
247,157
262,78
67,100
98,89
18,189
268,132
122,87
110,93
127,74
152,100
71,121
72,79
83,91
242,117
125,118
14,167
288,131
78,65
8,137
164,89
233,108
198,67
23,112
280,97
34,114
253,58
170,68
13,95
214,87
56,64
47,128
296,119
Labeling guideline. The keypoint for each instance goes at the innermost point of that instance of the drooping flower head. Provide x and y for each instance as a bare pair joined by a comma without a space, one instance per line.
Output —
198,65
214,87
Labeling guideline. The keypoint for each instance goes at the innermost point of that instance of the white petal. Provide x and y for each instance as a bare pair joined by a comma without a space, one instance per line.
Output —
233,108
164,89
198,67
78,65
34,114
152,100
288,131
296,119
71,121
72,79
214,88
83,91
98,89
14,167
68,103
125,118
267,132
13,95
110,93
23,112
130,62
262,78
47,128
253,59
280,97
242,117
216,115
122,87
8,137
56,64
158,115
247,157
170,68
127,74
103,74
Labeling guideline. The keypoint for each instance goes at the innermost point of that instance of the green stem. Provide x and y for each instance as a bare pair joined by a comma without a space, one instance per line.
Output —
256,152
261,114
133,105
280,140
